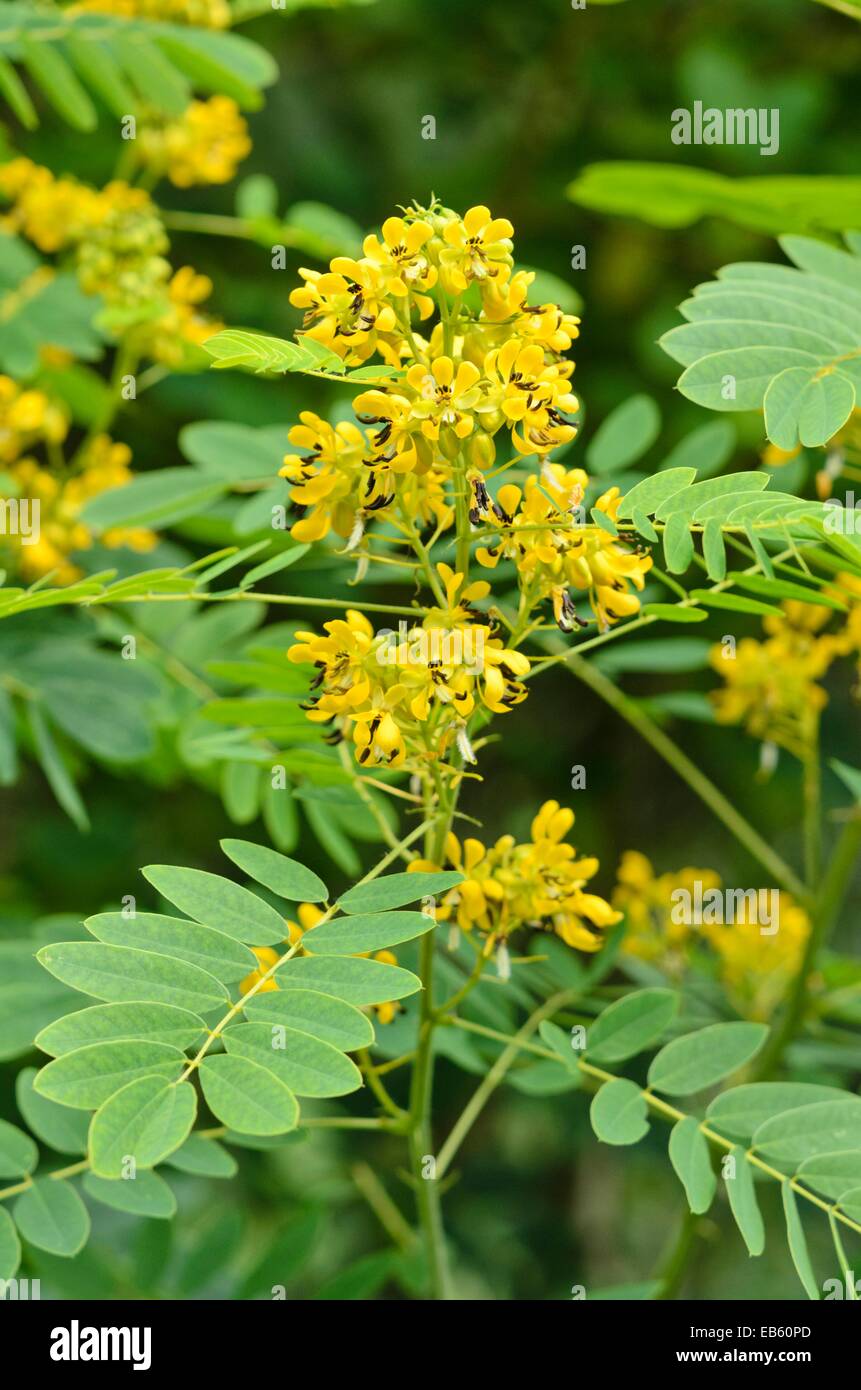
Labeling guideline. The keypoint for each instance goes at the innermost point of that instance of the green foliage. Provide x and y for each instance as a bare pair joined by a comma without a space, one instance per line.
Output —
262,355
676,195
51,1216
626,434
619,1113
394,890
36,311
125,1063
71,57
743,1203
689,1155
780,339
631,1025
693,1063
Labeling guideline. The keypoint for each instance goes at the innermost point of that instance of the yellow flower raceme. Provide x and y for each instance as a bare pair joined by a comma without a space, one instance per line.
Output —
345,308
476,248
756,961
407,696
27,418
115,239
60,531
542,531
490,364
771,686
533,395
654,931
205,145
540,884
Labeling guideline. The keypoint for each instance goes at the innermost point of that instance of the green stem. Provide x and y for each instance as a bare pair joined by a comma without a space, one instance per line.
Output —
632,713
461,503
381,1204
421,1092
370,1074
254,596
598,1074
812,827
484,1032
673,1270
210,224
420,1138
485,1090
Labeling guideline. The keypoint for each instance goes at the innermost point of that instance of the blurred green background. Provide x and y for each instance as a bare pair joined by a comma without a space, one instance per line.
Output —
524,96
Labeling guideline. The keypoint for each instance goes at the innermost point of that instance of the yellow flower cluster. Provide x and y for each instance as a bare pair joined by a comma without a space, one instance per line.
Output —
553,555
27,418
540,884
404,698
333,488
205,145
653,931
115,239
206,14
309,915
60,531
469,363
771,686
755,966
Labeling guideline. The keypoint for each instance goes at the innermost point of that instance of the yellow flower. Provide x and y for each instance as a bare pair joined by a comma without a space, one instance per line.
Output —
345,307
344,658
377,736
771,686
548,326
27,418
755,965
533,396
205,145
538,884
555,550
476,248
444,397
399,444
402,261
330,479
